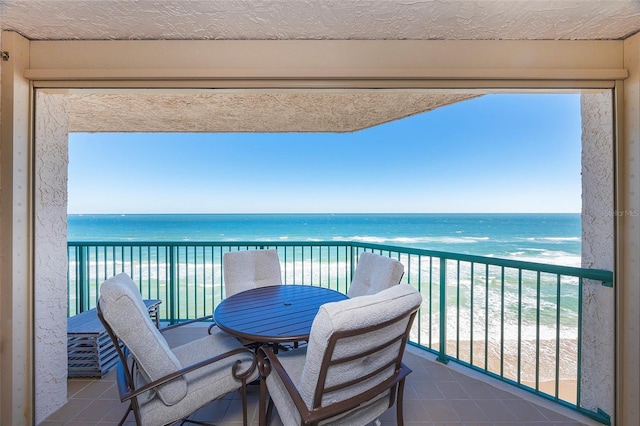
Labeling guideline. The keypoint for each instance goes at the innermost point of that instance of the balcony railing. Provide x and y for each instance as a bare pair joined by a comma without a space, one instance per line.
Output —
519,322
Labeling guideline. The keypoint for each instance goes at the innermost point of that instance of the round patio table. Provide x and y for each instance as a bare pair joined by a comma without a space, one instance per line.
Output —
273,314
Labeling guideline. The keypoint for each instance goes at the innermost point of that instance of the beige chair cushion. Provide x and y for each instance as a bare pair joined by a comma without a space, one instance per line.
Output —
205,384
123,309
374,273
247,269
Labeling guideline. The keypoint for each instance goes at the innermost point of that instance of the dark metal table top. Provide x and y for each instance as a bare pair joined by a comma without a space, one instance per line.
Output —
281,313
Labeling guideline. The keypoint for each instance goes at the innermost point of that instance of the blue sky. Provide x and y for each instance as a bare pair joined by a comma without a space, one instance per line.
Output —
497,153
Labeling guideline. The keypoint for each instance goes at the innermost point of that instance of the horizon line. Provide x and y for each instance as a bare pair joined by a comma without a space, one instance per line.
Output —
304,213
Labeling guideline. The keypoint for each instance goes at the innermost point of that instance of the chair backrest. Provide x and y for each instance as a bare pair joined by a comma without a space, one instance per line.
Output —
247,269
357,344
374,273
126,318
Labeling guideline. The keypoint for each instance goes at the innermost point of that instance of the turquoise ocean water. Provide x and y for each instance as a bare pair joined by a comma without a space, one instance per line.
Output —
546,238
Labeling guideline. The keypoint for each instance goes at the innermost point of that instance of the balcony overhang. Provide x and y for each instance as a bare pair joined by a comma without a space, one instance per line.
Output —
212,111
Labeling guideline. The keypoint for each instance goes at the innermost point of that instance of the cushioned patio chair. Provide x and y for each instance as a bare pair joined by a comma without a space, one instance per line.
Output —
164,385
247,269
374,273
351,370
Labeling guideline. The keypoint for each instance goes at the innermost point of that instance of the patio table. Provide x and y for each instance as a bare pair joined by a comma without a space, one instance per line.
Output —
273,314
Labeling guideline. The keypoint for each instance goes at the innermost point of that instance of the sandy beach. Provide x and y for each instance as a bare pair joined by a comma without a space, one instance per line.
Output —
489,359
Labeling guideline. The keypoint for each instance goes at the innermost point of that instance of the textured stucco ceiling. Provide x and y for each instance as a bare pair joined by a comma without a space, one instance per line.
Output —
295,19
250,111
321,19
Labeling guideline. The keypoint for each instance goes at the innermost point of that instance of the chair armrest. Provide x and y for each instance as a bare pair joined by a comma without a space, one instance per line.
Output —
124,396
180,324
268,362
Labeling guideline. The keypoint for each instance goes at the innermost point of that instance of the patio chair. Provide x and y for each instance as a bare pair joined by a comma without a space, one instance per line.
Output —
351,370
164,385
374,273
247,269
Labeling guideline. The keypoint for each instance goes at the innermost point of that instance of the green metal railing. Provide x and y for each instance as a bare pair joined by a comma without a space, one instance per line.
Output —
519,322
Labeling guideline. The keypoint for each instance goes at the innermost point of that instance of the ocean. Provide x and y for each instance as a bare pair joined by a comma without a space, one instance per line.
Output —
546,238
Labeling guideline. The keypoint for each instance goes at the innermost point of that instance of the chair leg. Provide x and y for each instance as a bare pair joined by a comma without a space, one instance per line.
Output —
262,420
399,399
133,406
126,414
264,414
269,412
244,402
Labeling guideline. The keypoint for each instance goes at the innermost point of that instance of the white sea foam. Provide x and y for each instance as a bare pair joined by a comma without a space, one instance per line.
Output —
413,240
552,257
558,239
577,239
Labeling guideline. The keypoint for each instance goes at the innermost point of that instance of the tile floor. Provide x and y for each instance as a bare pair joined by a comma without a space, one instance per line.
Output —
435,394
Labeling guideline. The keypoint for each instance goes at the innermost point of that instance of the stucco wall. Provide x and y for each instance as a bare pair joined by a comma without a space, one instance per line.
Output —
598,379
50,184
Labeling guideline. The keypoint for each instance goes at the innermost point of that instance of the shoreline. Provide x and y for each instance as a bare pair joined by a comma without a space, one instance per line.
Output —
567,385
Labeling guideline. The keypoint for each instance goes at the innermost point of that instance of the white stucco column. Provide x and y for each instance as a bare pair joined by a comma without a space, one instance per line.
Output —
50,259
598,243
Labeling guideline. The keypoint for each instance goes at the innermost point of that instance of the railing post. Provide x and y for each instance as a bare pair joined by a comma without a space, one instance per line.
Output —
442,355
354,261
172,284
83,290
351,268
